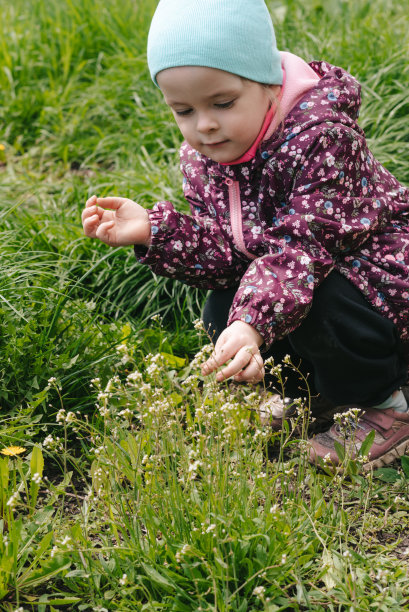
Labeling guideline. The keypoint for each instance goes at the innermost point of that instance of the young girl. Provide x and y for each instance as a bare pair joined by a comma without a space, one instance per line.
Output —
300,232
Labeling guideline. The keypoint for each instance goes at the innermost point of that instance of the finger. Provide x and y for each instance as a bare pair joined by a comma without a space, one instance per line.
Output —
211,364
89,212
102,231
253,372
112,203
239,362
91,201
90,225
219,357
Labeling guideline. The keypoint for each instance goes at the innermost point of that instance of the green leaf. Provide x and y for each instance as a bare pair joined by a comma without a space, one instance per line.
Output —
37,461
367,444
175,398
50,569
156,577
58,601
405,465
340,450
386,474
42,547
4,480
173,361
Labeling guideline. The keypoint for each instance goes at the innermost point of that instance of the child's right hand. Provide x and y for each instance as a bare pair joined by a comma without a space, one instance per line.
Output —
125,222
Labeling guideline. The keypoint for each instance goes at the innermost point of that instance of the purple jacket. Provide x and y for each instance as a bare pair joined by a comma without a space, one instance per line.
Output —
313,199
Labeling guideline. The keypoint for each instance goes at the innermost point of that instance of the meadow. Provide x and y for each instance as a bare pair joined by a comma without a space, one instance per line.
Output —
127,482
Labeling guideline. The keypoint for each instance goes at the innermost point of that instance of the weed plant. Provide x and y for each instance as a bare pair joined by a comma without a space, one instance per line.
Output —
143,487
174,504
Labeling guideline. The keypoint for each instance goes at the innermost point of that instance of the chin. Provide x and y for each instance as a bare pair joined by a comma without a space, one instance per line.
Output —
220,156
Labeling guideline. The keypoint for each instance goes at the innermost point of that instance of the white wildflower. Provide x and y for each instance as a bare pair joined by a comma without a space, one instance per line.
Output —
156,318
60,418
182,552
134,376
48,442
13,500
199,325
193,467
54,551
259,591
126,413
261,476
111,384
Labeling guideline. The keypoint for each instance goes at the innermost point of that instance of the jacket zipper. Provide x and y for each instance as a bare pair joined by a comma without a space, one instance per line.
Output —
235,216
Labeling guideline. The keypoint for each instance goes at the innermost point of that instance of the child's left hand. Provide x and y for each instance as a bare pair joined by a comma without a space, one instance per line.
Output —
239,342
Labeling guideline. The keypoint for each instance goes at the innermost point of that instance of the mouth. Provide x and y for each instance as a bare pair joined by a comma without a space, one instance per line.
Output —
215,144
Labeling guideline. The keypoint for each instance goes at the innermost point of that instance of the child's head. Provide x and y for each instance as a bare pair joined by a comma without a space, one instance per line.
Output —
212,60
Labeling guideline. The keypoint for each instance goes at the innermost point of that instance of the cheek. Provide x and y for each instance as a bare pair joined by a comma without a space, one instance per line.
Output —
182,125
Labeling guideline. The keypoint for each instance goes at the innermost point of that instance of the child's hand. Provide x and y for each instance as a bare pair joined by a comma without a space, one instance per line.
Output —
239,342
126,222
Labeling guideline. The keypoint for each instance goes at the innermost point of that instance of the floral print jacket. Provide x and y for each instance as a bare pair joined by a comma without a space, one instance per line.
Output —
313,199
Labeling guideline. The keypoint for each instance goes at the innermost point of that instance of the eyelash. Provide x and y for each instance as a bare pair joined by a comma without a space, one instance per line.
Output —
183,113
225,104
221,106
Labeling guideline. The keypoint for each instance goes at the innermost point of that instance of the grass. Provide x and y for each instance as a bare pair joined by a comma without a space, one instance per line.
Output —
143,487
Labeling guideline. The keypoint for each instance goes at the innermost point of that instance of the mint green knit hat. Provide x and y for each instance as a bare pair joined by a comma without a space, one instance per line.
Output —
233,35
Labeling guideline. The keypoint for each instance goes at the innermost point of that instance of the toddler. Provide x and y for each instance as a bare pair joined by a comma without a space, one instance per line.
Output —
300,233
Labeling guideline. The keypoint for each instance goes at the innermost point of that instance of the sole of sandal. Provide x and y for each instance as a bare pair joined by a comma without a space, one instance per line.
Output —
389,457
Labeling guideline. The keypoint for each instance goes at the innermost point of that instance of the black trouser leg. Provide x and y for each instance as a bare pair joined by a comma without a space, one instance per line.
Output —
352,352
356,352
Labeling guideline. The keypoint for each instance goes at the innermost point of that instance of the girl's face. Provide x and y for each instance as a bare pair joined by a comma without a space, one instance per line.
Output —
219,114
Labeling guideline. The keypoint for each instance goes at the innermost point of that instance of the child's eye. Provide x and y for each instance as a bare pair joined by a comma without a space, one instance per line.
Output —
183,113
228,104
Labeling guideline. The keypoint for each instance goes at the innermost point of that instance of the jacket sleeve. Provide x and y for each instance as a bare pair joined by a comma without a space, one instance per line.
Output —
329,211
192,248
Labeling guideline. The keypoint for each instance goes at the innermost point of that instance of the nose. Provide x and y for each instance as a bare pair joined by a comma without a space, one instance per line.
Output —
206,123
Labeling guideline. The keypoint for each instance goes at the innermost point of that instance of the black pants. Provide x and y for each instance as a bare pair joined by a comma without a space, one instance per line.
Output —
350,352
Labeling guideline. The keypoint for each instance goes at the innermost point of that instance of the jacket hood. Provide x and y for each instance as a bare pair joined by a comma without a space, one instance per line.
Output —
336,98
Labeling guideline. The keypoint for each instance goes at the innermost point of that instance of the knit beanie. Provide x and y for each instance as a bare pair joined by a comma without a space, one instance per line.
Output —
232,35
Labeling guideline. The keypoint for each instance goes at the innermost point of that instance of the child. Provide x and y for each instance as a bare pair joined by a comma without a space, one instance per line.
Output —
300,232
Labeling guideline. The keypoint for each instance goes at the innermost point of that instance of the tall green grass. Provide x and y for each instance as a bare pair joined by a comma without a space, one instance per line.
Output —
79,115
